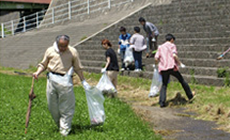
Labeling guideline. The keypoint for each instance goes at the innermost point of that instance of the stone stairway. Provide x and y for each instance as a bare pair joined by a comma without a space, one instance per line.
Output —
202,32
27,49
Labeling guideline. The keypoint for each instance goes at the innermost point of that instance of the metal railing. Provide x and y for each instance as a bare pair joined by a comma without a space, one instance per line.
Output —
70,10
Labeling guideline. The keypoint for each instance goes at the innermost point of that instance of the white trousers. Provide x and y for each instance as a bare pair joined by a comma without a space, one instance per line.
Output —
61,104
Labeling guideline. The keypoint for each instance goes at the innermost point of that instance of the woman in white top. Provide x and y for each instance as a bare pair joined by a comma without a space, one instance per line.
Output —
137,42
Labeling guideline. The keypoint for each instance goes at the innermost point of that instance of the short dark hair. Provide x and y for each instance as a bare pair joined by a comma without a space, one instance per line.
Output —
141,19
65,37
122,29
169,37
137,29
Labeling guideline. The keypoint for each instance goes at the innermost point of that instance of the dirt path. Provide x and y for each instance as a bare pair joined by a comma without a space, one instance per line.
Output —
172,122
175,124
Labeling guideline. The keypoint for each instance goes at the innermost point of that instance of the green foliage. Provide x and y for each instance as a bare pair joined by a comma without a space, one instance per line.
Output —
193,79
7,32
222,72
121,122
227,80
83,38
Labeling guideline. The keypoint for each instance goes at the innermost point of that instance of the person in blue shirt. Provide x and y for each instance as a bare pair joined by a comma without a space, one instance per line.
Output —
123,44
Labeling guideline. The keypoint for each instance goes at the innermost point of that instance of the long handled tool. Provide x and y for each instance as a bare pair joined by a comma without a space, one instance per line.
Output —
31,97
222,55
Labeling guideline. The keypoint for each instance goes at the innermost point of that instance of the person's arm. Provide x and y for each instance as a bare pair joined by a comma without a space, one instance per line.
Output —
80,75
176,59
42,66
108,62
38,72
78,66
157,56
132,40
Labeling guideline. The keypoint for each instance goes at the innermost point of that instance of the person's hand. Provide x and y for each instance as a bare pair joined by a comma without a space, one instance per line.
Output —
35,75
103,70
182,65
118,51
86,85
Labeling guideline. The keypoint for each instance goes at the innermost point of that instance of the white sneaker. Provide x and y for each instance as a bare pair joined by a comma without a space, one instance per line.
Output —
139,69
64,132
136,70
122,69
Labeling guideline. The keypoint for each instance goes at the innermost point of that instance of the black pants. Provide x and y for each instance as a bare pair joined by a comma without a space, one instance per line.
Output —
165,78
152,45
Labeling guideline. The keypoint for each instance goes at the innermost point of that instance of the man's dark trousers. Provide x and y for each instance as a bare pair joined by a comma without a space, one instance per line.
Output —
165,79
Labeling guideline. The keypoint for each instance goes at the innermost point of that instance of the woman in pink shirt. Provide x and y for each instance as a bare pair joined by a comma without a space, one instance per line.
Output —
167,60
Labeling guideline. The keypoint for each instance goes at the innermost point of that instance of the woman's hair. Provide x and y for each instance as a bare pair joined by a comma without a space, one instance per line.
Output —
106,41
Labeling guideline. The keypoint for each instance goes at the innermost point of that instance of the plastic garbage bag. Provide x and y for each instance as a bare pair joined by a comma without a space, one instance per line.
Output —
156,84
128,56
95,101
65,80
105,85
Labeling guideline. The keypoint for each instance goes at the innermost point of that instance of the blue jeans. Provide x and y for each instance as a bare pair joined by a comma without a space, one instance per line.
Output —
138,59
122,54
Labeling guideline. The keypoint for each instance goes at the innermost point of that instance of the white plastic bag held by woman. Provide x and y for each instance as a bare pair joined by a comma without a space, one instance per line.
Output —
105,85
128,56
95,101
156,83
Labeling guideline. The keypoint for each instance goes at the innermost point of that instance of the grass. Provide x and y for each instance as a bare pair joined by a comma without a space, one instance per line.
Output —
121,122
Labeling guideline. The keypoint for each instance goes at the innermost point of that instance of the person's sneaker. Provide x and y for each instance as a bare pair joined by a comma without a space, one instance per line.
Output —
64,132
162,106
122,69
193,98
147,55
139,70
136,70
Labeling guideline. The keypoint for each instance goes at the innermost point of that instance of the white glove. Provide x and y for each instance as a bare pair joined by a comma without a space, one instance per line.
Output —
118,51
182,65
103,70
85,85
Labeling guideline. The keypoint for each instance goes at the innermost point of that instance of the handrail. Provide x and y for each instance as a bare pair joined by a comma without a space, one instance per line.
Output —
66,11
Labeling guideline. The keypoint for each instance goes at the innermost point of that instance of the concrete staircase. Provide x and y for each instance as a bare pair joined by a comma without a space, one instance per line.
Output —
27,49
202,32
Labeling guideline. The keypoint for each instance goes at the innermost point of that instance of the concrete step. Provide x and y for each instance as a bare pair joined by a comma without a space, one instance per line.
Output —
205,80
192,70
200,54
197,62
178,35
202,47
180,41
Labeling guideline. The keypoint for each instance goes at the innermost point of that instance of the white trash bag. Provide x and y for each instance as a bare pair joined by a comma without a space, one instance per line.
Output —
65,80
105,85
128,56
95,101
156,84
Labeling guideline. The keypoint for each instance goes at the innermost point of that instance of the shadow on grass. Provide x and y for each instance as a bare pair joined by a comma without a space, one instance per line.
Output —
76,128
